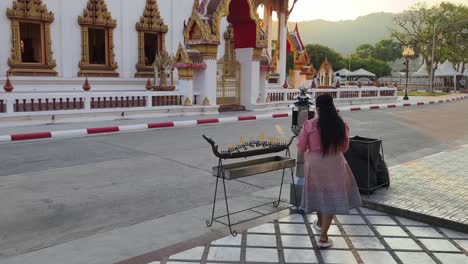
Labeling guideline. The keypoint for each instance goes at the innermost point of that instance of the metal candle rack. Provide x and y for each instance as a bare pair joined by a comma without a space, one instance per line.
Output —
242,169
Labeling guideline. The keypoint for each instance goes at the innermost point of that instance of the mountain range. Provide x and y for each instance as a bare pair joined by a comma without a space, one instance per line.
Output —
346,35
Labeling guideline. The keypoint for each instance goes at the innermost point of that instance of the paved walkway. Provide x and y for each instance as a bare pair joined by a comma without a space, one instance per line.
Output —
363,236
433,187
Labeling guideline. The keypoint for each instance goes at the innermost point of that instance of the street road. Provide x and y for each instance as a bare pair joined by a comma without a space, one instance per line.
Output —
56,191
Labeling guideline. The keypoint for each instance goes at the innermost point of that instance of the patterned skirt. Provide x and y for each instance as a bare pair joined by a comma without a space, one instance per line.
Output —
329,185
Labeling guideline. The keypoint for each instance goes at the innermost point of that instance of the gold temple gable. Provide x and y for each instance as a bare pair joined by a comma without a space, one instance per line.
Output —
150,22
96,15
31,11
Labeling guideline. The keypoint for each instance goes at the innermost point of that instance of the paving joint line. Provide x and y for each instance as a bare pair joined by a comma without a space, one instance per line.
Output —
452,241
279,243
206,250
348,241
417,240
380,237
311,235
243,247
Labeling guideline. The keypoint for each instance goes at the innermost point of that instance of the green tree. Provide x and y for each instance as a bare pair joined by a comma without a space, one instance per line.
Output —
387,50
455,40
378,67
447,21
319,52
364,51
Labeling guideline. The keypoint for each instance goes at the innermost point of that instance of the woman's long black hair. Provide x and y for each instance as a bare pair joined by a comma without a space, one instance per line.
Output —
330,125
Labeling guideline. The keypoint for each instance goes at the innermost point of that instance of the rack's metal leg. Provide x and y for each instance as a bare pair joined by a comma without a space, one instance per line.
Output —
294,188
276,204
233,233
209,223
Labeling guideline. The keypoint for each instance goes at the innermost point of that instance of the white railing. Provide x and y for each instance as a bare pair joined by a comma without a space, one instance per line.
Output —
344,93
11,103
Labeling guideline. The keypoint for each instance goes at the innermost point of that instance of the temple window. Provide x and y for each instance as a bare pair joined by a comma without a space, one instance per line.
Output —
151,38
151,48
31,53
97,41
31,42
97,46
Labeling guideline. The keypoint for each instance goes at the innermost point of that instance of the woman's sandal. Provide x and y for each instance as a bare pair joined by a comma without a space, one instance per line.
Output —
316,226
327,244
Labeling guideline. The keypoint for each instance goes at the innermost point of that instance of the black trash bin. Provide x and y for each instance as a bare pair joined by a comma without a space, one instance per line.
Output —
366,159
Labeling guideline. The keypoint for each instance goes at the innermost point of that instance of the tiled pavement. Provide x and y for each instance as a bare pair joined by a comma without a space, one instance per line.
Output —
435,186
432,189
363,236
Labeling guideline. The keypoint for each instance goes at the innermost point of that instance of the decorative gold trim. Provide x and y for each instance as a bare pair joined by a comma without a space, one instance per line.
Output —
183,60
187,102
96,14
223,10
209,52
200,31
163,67
181,56
185,74
206,102
150,22
257,54
36,12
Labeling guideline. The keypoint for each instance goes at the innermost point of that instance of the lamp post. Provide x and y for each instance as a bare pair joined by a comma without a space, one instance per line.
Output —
408,52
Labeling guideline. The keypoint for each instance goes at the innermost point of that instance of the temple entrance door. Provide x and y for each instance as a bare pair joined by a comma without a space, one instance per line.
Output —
228,90
228,83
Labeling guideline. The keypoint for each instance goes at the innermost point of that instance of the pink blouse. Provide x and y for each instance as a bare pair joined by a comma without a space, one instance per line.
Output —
309,138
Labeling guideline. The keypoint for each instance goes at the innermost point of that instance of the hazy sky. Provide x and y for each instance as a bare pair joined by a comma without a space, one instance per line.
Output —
335,10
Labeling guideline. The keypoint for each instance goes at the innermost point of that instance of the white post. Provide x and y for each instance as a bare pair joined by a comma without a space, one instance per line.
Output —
454,83
282,46
263,87
149,100
9,105
360,93
250,77
87,102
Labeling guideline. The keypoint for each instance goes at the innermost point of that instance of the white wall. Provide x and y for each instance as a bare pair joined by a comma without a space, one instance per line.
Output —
66,34
5,37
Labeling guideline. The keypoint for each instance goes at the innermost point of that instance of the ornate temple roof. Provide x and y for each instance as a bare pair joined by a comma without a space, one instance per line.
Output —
295,45
189,59
326,65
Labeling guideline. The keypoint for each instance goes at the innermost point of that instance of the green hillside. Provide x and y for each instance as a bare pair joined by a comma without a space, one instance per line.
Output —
345,36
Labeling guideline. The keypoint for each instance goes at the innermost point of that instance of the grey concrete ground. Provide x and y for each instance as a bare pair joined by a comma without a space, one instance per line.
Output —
435,186
363,236
56,191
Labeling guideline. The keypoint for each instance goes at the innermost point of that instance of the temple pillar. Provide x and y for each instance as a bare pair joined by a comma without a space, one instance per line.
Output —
268,18
186,87
282,47
205,82
250,77
263,86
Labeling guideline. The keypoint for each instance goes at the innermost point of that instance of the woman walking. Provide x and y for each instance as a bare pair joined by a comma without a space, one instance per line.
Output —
329,187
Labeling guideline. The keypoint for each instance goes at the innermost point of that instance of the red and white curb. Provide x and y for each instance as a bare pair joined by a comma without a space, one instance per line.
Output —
193,123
